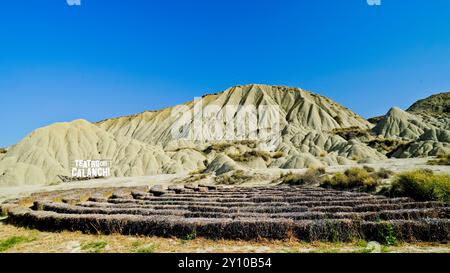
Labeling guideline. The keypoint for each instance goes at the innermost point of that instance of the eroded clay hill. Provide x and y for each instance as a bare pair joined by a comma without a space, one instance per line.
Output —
424,129
244,127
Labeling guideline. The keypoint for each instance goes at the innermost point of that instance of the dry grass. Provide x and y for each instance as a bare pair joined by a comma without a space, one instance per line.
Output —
67,242
222,146
387,145
351,132
364,179
253,154
235,178
311,177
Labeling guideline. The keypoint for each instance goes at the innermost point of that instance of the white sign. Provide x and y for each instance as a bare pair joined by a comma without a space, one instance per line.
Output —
91,168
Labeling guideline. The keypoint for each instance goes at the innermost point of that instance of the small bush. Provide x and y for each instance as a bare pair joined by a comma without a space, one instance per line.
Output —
369,169
387,145
249,155
384,173
191,236
310,177
278,154
442,159
237,177
3,151
422,185
351,179
388,235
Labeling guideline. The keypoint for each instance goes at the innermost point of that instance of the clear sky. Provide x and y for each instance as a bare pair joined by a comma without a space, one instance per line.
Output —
109,58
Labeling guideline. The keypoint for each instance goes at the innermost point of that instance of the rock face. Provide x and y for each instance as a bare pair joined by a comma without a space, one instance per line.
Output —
425,127
398,123
244,127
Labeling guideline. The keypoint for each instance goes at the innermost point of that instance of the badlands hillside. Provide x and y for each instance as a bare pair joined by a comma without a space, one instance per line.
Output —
244,127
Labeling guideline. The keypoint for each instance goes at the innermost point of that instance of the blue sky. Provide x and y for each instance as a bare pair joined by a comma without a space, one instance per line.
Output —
109,58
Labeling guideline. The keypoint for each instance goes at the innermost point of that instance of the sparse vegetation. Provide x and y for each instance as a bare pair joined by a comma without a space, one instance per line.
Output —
369,169
247,156
388,235
312,176
422,185
351,132
13,241
278,154
221,147
441,159
94,247
191,236
3,151
353,178
338,119
235,178
218,147
384,173
375,120
146,249
387,145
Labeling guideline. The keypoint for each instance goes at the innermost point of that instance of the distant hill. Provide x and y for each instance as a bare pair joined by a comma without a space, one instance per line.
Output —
436,105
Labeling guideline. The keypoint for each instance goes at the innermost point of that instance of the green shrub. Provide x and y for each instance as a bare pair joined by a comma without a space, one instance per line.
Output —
388,235
352,178
422,185
441,159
